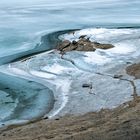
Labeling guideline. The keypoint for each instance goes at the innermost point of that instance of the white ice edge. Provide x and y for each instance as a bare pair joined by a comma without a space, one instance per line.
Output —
59,84
64,85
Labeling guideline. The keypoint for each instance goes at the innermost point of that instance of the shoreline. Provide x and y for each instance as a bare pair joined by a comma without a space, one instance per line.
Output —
107,124
62,75
48,42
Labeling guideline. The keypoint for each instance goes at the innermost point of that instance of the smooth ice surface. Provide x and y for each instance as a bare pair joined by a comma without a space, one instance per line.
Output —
22,99
96,58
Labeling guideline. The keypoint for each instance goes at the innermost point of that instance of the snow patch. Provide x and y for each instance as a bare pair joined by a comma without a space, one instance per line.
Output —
94,57
56,68
122,48
42,74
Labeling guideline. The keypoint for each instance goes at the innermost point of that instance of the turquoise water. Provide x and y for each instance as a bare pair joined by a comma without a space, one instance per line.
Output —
22,100
23,22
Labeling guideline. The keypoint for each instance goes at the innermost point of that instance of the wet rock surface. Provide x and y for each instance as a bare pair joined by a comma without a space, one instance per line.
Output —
83,44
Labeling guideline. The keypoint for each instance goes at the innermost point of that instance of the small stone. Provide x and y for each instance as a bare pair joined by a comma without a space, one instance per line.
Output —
74,42
87,86
82,36
117,76
57,119
128,63
46,117
4,135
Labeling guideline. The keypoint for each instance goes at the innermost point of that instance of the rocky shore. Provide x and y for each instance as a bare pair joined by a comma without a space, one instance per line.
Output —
120,123
83,44
96,88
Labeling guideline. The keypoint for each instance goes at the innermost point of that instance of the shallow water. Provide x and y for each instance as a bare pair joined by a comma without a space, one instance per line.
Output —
22,23
22,100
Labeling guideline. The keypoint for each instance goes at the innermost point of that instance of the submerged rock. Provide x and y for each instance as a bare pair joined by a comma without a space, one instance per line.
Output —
83,44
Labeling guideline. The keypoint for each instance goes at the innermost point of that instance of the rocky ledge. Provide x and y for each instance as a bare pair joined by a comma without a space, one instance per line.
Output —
83,44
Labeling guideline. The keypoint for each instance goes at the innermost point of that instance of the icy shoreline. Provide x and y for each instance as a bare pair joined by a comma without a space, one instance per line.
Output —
104,69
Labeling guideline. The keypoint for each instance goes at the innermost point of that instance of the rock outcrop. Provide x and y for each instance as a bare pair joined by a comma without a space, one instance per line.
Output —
83,44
